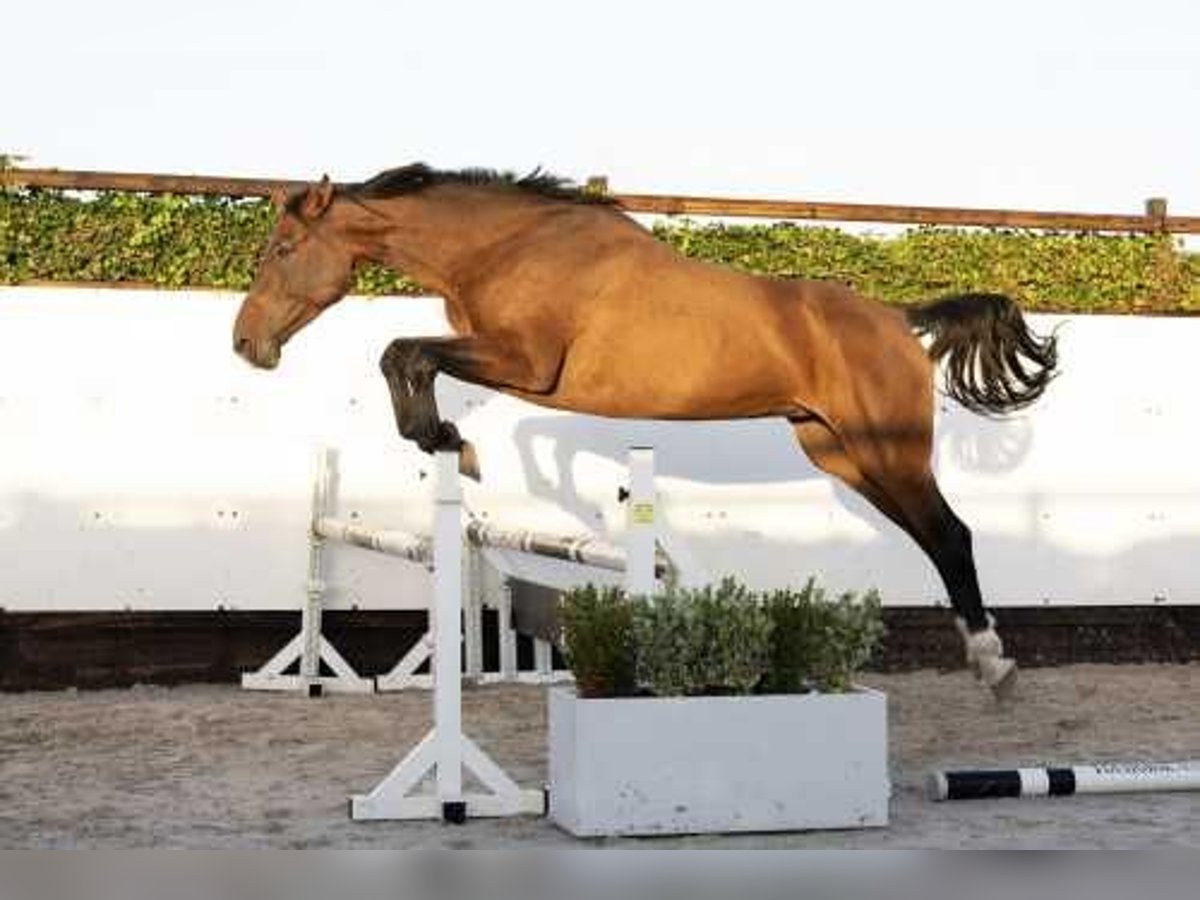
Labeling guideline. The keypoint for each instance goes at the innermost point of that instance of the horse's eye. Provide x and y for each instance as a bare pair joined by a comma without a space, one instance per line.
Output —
283,248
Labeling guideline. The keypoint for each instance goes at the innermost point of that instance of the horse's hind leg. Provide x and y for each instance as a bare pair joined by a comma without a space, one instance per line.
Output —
828,454
949,546
900,484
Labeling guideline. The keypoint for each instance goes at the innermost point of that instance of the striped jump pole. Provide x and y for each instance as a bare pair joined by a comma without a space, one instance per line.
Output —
1065,781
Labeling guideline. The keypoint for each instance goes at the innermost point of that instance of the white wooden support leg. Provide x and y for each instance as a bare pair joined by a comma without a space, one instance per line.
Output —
543,661
310,619
507,634
404,674
473,615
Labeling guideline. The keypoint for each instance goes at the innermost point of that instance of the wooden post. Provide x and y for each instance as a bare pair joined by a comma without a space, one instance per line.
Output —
596,186
1169,288
1156,212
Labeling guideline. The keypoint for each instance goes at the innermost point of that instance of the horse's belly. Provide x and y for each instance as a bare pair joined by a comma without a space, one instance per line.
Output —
715,377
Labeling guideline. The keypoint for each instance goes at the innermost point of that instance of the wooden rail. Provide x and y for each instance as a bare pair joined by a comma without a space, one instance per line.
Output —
1154,219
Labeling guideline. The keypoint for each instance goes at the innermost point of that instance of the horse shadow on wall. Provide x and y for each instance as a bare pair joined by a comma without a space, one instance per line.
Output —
744,452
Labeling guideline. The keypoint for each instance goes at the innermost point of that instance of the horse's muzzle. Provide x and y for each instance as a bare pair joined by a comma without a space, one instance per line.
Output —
260,354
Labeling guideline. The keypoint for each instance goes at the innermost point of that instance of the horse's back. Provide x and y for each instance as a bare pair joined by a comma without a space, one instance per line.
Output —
647,332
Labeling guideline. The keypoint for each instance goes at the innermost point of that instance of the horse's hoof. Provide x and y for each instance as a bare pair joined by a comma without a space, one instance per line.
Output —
1001,677
468,461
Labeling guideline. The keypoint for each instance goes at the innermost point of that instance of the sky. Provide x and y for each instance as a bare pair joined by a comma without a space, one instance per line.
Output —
1042,104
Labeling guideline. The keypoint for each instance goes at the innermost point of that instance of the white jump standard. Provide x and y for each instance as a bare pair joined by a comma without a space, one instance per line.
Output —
445,751
1065,781
310,647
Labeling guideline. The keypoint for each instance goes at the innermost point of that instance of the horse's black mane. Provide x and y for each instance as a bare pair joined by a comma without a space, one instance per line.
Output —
418,176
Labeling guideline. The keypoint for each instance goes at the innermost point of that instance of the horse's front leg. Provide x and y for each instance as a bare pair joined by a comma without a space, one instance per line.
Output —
410,366
498,361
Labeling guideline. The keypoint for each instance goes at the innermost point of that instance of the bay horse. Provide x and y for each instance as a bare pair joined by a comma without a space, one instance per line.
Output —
557,297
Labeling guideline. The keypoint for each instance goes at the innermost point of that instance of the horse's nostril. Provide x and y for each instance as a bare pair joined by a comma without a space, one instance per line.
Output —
241,346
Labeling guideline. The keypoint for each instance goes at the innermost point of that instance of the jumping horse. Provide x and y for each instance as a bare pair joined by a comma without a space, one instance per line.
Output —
557,297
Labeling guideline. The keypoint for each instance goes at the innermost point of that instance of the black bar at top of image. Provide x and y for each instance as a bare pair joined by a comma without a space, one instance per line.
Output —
1062,782
983,785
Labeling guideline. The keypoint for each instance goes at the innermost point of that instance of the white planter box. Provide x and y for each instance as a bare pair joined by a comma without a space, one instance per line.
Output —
689,765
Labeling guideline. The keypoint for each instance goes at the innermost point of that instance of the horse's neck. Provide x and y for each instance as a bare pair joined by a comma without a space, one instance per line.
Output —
438,236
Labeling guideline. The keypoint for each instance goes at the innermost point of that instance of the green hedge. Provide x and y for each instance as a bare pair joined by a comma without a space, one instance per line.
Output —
168,241
174,241
1052,272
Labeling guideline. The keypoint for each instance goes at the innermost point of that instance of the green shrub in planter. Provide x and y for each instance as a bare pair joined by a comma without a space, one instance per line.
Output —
721,639
598,641
714,640
818,644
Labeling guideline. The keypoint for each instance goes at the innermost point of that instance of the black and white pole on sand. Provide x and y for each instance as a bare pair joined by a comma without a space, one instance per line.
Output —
1065,781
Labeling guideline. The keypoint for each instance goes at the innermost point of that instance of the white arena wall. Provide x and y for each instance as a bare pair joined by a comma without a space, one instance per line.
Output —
144,467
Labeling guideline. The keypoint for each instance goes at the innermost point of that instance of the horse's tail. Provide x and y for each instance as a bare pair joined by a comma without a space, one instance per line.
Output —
994,363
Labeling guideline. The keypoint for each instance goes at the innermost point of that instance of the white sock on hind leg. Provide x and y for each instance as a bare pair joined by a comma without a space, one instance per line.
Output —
985,652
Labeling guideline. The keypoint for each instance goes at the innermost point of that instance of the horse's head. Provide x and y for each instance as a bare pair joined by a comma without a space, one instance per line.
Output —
306,267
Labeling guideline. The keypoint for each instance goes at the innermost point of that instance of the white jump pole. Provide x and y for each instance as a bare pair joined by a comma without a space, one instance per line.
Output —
640,562
1066,781
446,749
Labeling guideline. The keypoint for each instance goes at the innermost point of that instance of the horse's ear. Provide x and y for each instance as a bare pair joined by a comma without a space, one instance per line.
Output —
278,196
317,199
